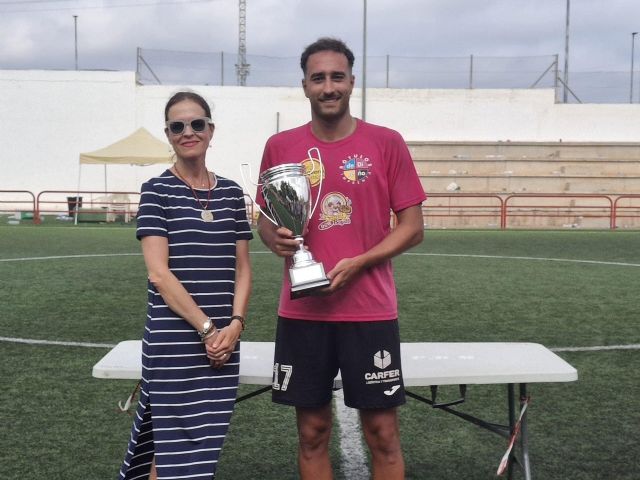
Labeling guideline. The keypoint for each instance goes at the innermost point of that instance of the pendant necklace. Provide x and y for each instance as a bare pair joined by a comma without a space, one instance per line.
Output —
205,214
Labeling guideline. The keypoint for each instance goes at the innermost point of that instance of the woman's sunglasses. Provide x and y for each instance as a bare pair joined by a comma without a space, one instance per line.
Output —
198,125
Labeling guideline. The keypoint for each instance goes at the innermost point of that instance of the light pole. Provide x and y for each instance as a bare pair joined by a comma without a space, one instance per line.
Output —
75,33
633,42
364,61
566,55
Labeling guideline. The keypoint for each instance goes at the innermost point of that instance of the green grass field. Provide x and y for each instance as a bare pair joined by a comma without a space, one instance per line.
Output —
558,288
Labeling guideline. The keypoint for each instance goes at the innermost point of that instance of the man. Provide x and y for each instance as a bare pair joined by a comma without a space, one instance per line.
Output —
350,325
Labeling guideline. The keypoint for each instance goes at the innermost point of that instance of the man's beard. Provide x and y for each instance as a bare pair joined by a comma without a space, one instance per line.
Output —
329,115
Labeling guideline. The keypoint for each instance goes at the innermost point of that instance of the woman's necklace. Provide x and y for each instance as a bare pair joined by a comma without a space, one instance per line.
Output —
205,214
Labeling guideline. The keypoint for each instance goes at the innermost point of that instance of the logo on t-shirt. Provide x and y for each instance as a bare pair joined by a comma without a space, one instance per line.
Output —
356,169
313,169
336,210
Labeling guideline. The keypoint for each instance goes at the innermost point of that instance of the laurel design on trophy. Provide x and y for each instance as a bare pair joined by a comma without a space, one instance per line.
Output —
287,194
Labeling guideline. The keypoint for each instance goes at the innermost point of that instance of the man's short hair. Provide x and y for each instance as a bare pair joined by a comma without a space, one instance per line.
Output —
326,44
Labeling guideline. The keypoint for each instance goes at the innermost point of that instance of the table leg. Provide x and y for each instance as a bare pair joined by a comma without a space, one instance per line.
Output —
253,394
524,434
512,425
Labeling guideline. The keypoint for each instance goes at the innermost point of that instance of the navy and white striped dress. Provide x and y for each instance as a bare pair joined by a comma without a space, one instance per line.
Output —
185,404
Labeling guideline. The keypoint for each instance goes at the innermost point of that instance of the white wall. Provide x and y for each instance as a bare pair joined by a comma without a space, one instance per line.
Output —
49,117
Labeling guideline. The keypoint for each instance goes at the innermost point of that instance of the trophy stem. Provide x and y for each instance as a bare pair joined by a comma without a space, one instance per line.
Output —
303,256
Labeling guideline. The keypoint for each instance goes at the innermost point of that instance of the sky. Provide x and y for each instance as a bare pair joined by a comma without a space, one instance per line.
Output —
36,34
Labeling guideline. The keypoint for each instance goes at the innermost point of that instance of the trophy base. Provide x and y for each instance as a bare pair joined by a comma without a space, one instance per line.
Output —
305,279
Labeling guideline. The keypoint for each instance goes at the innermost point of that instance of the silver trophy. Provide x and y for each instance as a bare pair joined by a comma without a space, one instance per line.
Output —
287,194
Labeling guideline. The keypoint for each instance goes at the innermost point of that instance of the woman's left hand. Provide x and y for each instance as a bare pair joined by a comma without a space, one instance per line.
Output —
220,347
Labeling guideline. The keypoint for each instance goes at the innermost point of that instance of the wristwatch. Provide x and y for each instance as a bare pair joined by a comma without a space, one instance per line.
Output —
206,328
240,318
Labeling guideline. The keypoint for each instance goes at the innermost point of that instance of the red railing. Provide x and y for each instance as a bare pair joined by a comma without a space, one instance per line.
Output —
628,211
579,207
10,201
252,215
99,205
582,208
458,206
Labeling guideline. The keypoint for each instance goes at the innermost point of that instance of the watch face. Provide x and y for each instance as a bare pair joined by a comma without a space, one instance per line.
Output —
205,328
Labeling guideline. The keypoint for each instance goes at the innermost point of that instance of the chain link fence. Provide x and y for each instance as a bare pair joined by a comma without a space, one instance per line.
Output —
390,71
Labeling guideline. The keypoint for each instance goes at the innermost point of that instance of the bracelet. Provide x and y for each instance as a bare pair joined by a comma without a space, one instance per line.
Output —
210,334
238,317
208,326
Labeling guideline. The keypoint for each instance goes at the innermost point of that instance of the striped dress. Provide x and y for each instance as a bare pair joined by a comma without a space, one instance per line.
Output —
185,405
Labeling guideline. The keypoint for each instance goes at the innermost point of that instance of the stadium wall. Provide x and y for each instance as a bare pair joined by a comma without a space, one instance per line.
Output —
50,117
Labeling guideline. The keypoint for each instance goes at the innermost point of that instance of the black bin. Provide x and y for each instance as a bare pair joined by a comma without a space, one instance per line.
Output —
74,203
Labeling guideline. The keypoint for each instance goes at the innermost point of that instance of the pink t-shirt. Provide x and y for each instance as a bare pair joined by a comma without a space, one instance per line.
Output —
366,175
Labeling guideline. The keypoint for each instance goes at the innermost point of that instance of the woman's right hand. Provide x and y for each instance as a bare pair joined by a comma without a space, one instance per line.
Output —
221,345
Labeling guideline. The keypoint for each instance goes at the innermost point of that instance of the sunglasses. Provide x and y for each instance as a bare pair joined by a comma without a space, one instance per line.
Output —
198,125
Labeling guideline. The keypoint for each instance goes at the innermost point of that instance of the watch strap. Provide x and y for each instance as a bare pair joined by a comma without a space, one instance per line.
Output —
240,318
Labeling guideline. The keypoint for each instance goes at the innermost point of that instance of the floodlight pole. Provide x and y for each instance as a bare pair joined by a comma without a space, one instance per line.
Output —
633,42
364,61
75,33
566,55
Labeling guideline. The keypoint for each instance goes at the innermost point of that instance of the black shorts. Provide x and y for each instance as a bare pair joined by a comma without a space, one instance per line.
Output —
308,355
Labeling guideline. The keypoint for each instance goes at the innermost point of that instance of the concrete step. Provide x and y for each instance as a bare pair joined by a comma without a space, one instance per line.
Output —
524,150
528,168
531,184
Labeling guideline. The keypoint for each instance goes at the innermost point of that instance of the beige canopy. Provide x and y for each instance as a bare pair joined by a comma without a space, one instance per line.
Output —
139,148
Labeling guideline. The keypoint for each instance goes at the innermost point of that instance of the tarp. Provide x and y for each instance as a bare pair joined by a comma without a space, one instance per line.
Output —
139,148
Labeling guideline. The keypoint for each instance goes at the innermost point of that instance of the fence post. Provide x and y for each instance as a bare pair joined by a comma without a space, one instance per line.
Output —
138,65
222,69
556,72
387,83
471,71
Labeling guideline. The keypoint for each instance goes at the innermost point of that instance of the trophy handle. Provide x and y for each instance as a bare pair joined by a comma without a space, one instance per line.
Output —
244,184
313,170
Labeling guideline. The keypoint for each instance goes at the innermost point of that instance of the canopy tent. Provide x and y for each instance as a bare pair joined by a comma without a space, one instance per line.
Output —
140,148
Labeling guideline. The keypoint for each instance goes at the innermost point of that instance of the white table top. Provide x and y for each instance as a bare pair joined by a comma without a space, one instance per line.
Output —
422,363
482,363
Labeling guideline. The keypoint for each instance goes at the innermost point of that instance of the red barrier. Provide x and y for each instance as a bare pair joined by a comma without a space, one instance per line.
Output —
99,206
111,206
252,217
549,210
630,211
23,205
492,208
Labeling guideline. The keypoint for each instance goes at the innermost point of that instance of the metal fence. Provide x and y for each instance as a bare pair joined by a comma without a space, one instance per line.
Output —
441,210
390,71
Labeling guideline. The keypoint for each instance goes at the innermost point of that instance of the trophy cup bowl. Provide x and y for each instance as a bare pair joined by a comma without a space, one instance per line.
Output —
287,195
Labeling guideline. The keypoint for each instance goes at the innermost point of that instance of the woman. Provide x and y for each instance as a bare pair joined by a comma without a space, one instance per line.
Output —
194,234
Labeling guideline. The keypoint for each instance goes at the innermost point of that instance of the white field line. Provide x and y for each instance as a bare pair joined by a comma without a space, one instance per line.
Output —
600,348
462,255
58,257
540,259
33,341
353,459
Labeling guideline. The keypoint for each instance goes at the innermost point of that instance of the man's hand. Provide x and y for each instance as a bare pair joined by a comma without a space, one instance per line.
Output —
342,274
279,240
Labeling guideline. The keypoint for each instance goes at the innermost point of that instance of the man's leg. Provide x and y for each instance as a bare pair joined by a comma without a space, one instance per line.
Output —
382,434
314,432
